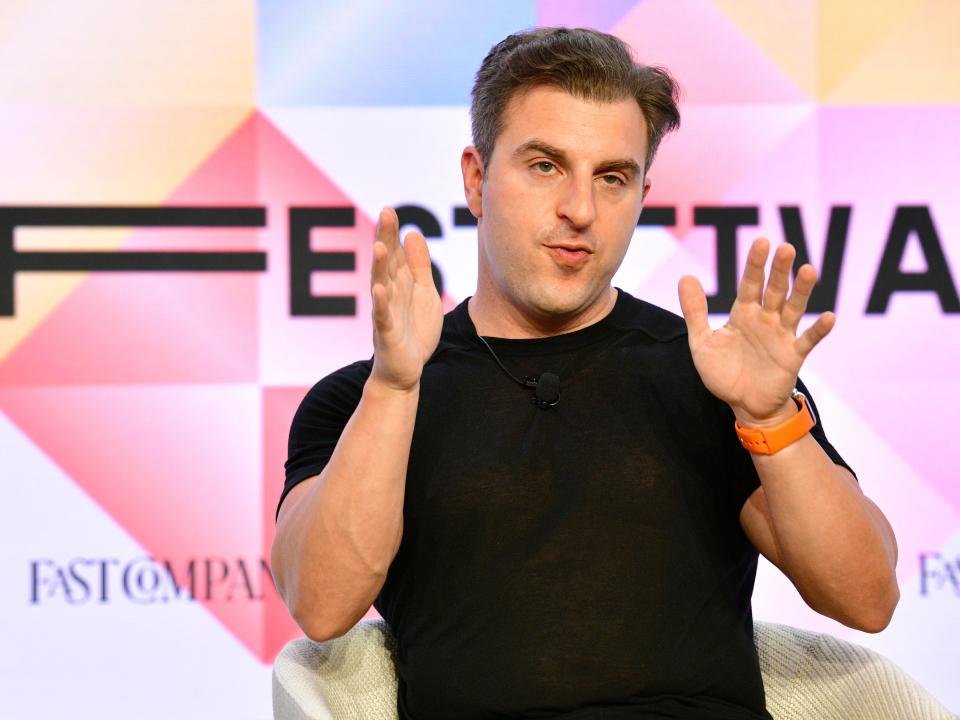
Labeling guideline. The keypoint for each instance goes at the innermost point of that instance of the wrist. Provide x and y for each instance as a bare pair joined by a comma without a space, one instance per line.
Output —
380,388
769,439
780,416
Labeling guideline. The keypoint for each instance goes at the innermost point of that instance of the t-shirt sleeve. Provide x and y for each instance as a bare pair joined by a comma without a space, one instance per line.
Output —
818,432
744,474
319,422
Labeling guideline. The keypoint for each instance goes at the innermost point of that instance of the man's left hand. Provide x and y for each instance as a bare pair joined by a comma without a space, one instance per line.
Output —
752,362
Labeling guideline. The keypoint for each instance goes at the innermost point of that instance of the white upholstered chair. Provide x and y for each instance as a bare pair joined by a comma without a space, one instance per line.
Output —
807,676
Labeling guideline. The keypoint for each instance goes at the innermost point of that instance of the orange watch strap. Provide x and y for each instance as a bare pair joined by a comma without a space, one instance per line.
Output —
767,441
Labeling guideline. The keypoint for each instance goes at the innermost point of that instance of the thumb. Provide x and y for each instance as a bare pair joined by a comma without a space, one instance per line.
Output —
693,304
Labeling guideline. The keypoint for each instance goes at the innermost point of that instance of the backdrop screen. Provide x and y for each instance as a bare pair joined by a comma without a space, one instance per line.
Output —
244,150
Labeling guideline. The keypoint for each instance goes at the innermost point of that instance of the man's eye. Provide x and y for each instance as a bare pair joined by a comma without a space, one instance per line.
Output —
613,180
544,166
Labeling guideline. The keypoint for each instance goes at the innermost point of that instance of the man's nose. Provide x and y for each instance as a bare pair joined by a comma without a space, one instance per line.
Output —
577,203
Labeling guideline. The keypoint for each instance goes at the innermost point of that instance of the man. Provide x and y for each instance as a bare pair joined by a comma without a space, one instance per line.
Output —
587,550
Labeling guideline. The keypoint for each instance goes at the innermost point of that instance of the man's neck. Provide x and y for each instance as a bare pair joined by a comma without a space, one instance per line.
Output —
504,320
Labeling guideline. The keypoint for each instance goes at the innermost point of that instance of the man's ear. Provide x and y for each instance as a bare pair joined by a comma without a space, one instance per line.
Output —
471,164
646,187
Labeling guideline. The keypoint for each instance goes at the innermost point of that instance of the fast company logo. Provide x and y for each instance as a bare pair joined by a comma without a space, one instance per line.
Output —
147,580
939,574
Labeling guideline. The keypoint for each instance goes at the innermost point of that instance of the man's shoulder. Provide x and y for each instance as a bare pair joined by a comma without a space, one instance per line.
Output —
345,383
350,379
458,330
657,323
357,371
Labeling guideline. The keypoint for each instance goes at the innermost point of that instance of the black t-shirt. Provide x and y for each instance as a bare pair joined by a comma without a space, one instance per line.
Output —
584,561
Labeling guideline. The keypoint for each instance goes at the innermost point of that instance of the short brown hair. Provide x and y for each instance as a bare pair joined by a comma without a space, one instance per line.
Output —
585,63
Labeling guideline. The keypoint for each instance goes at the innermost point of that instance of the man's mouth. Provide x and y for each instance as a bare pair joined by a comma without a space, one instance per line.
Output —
570,255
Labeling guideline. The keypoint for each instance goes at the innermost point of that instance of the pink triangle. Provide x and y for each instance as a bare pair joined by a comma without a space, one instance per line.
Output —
279,406
713,150
159,327
904,413
289,179
706,52
176,467
574,13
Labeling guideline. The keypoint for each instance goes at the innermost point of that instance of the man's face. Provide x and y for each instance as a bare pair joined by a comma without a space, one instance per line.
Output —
559,202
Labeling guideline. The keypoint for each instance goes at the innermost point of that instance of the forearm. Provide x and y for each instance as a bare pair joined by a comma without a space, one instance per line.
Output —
334,544
831,540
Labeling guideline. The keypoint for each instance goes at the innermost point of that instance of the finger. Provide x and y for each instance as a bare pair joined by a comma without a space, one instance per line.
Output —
796,305
779,282
751,284
388,228
418,258
379,272
815,333
401,249
379,288
388,233
693,304
382,316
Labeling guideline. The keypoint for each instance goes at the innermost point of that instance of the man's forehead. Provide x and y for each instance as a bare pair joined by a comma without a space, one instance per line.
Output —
545,118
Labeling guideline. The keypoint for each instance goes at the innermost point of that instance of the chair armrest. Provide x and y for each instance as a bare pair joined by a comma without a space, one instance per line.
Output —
815,675
351,677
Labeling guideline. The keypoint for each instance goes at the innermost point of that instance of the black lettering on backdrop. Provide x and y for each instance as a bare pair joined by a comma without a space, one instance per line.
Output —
189,582
907,220
13,261
105,564
938,572
657,216
419,217
241,579
141,580
146,580
78,581
208,575
824,294
304,261
463,217
35,580
61,583
74,581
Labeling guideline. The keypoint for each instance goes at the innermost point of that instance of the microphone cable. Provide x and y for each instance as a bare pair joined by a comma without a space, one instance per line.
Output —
546,386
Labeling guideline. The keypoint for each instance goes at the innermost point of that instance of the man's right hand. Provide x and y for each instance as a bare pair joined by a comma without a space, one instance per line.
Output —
338,531
407,312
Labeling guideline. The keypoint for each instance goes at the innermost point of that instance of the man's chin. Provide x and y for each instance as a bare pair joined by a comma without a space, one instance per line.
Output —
564,305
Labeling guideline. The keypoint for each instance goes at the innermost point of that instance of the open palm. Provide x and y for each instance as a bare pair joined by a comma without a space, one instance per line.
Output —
407,312
752,362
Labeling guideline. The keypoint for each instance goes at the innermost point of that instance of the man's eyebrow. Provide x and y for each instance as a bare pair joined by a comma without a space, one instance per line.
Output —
541,147
627,165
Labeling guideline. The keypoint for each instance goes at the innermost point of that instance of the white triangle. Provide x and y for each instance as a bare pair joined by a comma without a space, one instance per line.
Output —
110,659
421,145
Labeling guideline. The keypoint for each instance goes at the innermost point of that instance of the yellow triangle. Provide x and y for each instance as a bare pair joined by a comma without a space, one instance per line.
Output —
917,62
138,156
848,31
785,32
101,52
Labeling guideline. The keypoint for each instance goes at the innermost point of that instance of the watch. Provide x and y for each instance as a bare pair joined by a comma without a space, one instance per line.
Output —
767,441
